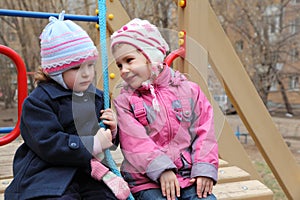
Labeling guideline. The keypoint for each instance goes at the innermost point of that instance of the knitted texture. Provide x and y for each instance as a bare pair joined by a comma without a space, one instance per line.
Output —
115,183
64,45
98,169
145,37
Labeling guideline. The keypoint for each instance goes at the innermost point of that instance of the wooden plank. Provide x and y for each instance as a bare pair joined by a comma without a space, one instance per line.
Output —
223,163
232,174
120,15
6,172
230,148
243,190
7,153
3,184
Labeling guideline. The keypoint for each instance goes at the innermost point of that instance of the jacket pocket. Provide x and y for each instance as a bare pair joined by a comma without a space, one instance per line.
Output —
182,110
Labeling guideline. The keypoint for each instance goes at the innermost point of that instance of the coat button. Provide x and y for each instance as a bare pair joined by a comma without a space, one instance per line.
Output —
73,144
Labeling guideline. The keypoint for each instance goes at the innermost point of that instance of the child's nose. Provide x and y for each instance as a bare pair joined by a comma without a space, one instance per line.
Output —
124,69
85,71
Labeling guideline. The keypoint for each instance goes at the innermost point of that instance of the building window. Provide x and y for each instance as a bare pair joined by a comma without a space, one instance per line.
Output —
294,55
272,27
295,25
297,22
274,86
294,82
239,45
272,19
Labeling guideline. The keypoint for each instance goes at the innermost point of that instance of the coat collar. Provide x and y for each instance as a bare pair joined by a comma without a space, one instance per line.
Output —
56,91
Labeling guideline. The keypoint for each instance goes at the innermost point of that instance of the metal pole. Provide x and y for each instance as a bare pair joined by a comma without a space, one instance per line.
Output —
32,14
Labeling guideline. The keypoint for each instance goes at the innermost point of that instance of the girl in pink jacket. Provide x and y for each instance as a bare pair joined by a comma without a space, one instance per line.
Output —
166,123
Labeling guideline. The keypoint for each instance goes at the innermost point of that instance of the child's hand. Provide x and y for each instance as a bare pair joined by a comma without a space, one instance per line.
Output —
204,186
104,137
109,118
169,185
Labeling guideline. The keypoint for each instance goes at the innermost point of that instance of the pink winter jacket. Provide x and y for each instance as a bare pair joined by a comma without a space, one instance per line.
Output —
180,136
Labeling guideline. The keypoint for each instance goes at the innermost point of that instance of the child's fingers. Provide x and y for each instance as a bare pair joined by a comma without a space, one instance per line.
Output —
109,115
204,187
177,189
199,189
108,110
192,180
210,187
163,188
168,191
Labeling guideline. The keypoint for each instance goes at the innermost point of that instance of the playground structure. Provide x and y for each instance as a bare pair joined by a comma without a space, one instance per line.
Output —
238,177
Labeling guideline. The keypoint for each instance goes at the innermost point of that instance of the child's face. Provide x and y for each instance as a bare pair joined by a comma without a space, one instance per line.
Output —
80,77
133,65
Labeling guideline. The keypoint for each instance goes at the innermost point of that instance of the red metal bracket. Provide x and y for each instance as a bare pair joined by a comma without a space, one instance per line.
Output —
22,91
178,52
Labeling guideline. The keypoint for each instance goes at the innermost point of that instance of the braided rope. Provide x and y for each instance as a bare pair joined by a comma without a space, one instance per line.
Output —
102,24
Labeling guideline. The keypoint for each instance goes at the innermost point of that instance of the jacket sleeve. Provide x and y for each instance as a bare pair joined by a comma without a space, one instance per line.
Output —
204,145
138,148
45,136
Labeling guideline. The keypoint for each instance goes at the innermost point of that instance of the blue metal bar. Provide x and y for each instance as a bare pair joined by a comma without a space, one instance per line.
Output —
6,129
32,14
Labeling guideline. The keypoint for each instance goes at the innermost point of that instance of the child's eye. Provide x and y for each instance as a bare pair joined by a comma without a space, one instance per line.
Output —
75,68
91,65
119,66
129,60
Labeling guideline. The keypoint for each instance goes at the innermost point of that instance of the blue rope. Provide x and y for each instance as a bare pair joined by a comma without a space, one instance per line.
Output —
102,24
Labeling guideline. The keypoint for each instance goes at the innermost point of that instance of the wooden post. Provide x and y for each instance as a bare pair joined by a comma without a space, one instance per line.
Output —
194,20
116,18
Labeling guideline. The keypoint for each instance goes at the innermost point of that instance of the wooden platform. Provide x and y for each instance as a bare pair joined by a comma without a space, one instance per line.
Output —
6,158
234,183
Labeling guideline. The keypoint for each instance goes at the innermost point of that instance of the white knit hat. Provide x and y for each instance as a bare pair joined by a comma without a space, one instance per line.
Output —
64,45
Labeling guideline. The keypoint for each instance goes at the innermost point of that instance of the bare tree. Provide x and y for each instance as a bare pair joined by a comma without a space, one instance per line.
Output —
22,34
261,32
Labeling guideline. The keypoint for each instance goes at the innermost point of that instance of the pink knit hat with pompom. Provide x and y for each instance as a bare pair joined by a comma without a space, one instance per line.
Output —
145,37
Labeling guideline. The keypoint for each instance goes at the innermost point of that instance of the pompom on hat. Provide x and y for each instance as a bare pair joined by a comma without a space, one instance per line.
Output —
145,37
64,45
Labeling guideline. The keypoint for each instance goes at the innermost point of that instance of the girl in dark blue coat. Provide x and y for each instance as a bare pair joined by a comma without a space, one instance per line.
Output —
59,125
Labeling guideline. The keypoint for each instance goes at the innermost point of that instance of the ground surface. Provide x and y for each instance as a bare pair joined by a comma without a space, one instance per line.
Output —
289,127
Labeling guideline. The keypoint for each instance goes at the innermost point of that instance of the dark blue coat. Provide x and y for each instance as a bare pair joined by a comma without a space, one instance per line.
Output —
57,127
